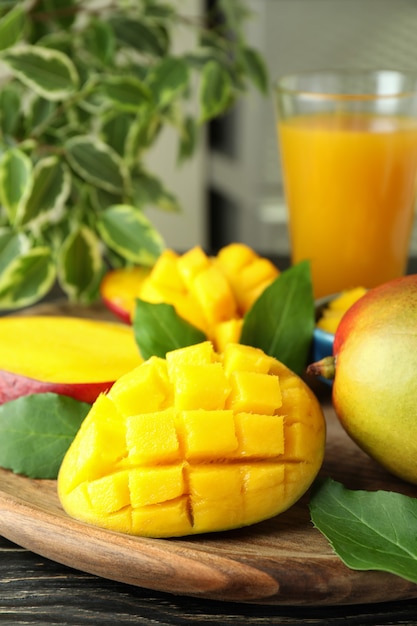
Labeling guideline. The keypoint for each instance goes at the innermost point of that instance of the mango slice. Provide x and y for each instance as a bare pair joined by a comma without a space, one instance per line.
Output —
209,292
198,442
72,356
337,307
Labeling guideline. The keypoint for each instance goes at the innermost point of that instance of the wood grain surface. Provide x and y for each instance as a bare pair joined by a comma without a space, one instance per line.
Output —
283,561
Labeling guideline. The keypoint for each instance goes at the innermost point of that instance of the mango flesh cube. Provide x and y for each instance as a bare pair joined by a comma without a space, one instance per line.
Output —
200,386
152,438
238,357
110,493
169,519
227,332
191,264
152,485
197,442
142,390
165,272
260,436
199,354
234,257
208,433
217,498
254,391
212,291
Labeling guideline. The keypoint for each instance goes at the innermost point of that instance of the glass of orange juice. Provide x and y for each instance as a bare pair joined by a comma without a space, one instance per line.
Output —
348,145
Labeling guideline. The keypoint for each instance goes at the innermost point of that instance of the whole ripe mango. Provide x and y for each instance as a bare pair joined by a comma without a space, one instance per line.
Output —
374,365
197,442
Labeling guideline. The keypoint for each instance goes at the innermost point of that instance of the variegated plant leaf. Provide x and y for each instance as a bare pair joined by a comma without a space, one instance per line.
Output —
127,231
256,68
10,113
96,163
168,79
215,90
140,35
44,201
27,278
11,27
12,246
126,92
100,41
149,191
114,130
15,180
80,264
50,73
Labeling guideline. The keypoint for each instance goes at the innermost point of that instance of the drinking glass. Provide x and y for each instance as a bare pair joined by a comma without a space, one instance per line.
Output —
348,144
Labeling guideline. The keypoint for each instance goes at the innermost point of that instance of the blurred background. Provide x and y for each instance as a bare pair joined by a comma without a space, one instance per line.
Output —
232,189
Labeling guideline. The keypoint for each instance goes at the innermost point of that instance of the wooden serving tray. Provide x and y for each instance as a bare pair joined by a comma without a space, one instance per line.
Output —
283,561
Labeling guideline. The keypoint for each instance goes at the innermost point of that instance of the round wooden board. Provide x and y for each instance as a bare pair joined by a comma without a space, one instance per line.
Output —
283,561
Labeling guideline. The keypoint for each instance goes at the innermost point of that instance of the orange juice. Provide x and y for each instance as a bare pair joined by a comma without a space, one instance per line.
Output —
350,185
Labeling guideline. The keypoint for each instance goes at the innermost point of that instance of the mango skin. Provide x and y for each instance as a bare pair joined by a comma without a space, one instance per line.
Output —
375,385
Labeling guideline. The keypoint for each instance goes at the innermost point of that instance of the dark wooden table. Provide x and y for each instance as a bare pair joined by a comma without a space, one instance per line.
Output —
34,590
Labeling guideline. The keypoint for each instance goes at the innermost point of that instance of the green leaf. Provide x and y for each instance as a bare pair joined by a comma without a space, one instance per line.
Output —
256,68
126,92
158,329
50,73
149,191
188,139
142,132
168,80
15,180
36,431
281,321
11,27
368,530
27,278
10,113
39,111
80,263
12,245
43,203
215,90
139,35
115,129
100,40
96,163
129,233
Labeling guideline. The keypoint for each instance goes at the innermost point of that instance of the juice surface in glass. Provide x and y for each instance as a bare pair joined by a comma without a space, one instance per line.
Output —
350,185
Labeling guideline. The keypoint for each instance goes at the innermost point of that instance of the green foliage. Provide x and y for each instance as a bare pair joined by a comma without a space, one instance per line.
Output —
368,530
281,321
36,431
85,92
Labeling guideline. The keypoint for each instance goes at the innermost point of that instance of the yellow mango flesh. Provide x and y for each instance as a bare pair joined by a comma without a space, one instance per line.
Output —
65,349
337,307
208,292
197,442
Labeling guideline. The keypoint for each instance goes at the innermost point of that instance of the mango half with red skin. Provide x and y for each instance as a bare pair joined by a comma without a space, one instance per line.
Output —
374,366
76,357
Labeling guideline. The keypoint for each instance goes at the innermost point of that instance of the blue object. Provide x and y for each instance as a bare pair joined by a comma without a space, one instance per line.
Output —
322,347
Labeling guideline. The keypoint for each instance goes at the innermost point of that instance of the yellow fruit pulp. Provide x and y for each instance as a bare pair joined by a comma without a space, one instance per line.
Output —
337,307
197,442
66,349
212,293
